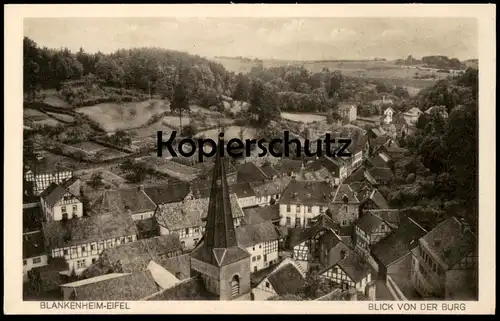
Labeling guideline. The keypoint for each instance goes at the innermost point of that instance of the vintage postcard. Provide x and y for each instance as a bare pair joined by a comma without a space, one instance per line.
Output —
235,158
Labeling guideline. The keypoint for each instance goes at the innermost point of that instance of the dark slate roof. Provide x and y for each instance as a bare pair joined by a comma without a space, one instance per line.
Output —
188,290
331,164
250,235
249,172
70,182
291,165
344,190
372,219
392,147
393,217
33,244
168,193
129,287
377,161
135,256
270,187
256,215
449,241
269,170
354,267
378,199
180,266
53,194
299,235
242,190
381,173
307,193
130,200
220,245
93,228
146,225
286,280
399,243
32,219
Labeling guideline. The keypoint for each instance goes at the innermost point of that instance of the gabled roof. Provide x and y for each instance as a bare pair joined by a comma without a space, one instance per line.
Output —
168,193
344,190
377,161
256,215
380,173
354,267
250,235
450,241
270,187
242,190
373,219
129,287
399,243
269,170
291,165
377,199
286,280
130,201
249,172
307,193
53,194
191,213
98,227
70,182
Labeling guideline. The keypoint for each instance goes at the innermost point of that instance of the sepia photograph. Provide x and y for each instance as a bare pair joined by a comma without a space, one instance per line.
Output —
343,161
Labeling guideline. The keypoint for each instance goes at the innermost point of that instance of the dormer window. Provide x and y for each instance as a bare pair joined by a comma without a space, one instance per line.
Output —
345,199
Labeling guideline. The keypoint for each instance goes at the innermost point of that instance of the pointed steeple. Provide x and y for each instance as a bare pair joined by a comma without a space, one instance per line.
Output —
220,231
220,245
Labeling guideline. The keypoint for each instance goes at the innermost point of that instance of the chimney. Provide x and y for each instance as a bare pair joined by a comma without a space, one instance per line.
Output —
370,290
295,195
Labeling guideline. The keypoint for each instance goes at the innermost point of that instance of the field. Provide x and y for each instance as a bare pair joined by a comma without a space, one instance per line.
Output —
92,148
172,169
303,118
53,99
173,121
381,70
230,132
113,117
33,117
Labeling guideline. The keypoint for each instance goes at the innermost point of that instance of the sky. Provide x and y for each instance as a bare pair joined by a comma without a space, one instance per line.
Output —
265,38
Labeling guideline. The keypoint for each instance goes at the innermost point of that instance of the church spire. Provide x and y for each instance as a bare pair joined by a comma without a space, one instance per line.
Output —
220,232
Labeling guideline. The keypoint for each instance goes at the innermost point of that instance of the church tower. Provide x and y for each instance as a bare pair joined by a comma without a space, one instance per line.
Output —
222,264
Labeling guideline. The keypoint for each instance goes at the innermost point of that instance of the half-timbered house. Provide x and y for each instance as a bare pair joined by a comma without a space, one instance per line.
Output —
44,172
350,272
261,241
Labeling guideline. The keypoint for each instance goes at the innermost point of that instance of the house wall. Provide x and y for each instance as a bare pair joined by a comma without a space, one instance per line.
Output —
401,269
81,256
189,237
247,201
345,214
462,280
73,207
263,255
143,215
337,275
357,160
43,180
304,213
263,291
242,270
427,283
33,262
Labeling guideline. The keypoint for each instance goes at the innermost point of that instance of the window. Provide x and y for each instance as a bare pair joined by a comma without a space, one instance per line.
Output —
94,260
83,249
197,230
235,286
297,207
267,284
183,244
65,252
288,221
265,257
25,262
92,247
253,258
255,268
382,227
258,257
297,221
288,208
65,216
75,208
195,241
344,223
129,238
253,248
342,254
100,246
80,264
260,246
63,209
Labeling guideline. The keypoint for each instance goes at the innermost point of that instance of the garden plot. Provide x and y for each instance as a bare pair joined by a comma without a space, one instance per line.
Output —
303,117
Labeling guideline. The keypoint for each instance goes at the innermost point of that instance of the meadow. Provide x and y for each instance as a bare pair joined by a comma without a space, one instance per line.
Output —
303,117
230,132
113,117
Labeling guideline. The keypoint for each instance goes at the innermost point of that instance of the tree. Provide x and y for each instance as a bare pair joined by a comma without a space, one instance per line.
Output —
263,108
96,180
189,131
180,102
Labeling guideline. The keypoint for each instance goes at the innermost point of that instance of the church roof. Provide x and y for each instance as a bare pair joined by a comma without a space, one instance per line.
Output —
220,245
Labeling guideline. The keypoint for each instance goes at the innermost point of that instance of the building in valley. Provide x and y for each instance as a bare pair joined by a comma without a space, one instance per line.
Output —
388,113
373,200
445,262
45,172
269,192
187,218
302,201
34,254
336,168
80,240
245,194
249,172
344,208
260,214
261,241
378,176
286,278
168,193
393,256
58,203
351,272
218,260
347,111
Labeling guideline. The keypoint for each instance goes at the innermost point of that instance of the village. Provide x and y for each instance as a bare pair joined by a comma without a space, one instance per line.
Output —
314,228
